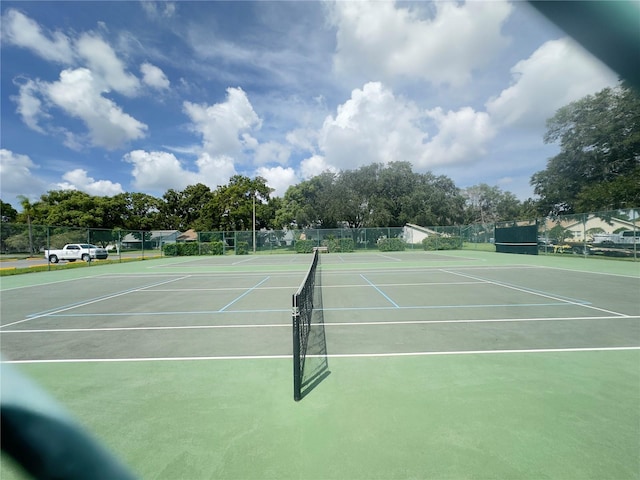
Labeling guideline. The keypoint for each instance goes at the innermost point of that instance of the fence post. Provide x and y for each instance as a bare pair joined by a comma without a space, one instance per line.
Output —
584,235
48,247
635,238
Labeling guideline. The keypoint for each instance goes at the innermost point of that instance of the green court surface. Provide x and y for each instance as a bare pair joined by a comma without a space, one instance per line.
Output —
440,365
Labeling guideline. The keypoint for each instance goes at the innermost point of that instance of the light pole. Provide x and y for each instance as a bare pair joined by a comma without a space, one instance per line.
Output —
254,221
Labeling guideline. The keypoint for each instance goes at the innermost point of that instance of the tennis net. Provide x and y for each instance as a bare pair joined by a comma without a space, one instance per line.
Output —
309,344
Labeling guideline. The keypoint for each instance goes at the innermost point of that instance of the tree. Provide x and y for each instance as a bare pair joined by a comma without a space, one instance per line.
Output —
375,195
311,203
395,185
487,204
184,210
231,206
599,159
139,211
70,208
355,197
7,212
559,234
440,201
621,192
27,211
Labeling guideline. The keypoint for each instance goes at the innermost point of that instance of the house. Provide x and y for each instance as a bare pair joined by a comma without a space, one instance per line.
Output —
153,239
414,234
583,227
189,236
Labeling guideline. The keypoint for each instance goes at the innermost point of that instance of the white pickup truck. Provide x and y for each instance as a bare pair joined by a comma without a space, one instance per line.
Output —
76,251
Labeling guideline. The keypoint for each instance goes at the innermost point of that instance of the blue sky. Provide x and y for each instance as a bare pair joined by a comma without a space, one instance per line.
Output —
110,97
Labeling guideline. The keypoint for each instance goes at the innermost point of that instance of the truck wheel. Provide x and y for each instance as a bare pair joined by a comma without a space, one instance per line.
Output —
86,257
53,258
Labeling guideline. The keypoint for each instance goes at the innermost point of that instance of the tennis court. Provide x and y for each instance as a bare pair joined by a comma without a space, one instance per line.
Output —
438,365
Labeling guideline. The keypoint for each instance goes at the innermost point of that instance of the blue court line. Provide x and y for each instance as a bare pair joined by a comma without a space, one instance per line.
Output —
245,293
380,291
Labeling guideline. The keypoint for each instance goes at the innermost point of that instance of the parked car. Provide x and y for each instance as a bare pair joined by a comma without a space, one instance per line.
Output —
76,251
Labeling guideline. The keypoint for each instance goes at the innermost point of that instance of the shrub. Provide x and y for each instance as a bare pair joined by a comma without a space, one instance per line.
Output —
242,248
305,246
188,248
217,248
192,248
391,244
212,248
170,249
347,245
340,244
441,243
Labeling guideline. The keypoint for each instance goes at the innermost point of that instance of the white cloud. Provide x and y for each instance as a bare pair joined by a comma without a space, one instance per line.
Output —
156,10
20,30
278,178
214,171
79,180
302,139
78,94
556,74
380,40
106,66
376,126
225,126
160,171
154,77
462,137
315,165
372,126
16,172
29,106
272,152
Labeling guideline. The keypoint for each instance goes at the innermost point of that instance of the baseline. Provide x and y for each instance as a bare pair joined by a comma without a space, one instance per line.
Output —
340,355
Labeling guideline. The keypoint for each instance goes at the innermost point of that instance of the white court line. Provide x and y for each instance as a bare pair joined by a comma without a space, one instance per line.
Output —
51,283
326,324
477,352
540,294
355,285
221,289
77,305
390,258
244,261
335,355
595,273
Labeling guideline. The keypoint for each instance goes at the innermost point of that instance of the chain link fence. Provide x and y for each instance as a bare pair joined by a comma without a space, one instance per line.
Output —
609,233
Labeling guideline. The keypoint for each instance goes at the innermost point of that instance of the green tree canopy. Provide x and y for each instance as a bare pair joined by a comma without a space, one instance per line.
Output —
599,159
375,195
7,212
487,204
